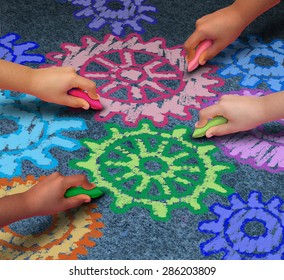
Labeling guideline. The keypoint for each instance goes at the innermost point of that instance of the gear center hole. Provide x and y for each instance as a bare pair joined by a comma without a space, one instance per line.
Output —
255,228
264,61
153,166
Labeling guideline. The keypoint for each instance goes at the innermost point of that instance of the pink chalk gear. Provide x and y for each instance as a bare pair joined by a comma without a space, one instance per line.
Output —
204,45
94,104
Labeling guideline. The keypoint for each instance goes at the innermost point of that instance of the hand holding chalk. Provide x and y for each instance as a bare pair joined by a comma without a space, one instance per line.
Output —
94,104
203,46
201,131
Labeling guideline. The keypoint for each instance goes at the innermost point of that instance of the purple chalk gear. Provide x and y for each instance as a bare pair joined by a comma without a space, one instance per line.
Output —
94,104
203,46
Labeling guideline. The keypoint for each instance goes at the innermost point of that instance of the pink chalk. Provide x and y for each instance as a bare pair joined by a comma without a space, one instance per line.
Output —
204,45
94,104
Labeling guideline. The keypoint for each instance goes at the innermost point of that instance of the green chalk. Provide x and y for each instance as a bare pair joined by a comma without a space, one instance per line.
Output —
200,132
93,193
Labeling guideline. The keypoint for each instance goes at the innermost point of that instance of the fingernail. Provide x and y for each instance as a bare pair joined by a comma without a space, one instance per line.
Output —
87,200
199,124
86,106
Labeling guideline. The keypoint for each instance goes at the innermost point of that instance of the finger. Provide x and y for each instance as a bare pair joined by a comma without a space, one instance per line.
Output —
208,113
68,69
88,185
211,52
77,180
50,177
88,86
219,130
191,44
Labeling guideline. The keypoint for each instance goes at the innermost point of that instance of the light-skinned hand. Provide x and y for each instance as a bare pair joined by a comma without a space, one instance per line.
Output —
242,112
52,85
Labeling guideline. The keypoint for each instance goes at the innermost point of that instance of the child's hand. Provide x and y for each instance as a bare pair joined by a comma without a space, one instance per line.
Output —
47,197
243,113
52,85
222,27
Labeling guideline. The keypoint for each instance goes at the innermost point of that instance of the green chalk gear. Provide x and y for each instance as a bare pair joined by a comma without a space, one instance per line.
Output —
200,132
93,193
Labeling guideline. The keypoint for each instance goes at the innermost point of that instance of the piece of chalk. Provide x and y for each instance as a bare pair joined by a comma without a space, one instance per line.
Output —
204,45
200,132
94,104
93,193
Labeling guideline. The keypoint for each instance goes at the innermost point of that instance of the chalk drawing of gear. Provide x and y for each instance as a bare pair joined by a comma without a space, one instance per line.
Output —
255,62
35,130
154,169
251,229
138,79
119,14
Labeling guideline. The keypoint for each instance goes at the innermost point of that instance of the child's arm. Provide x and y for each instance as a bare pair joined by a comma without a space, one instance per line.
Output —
49,84
45,198
243,112
224,26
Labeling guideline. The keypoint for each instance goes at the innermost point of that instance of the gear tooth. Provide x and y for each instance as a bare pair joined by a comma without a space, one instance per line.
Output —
159,210
178,133
123,200
90,144
114,131
255,199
